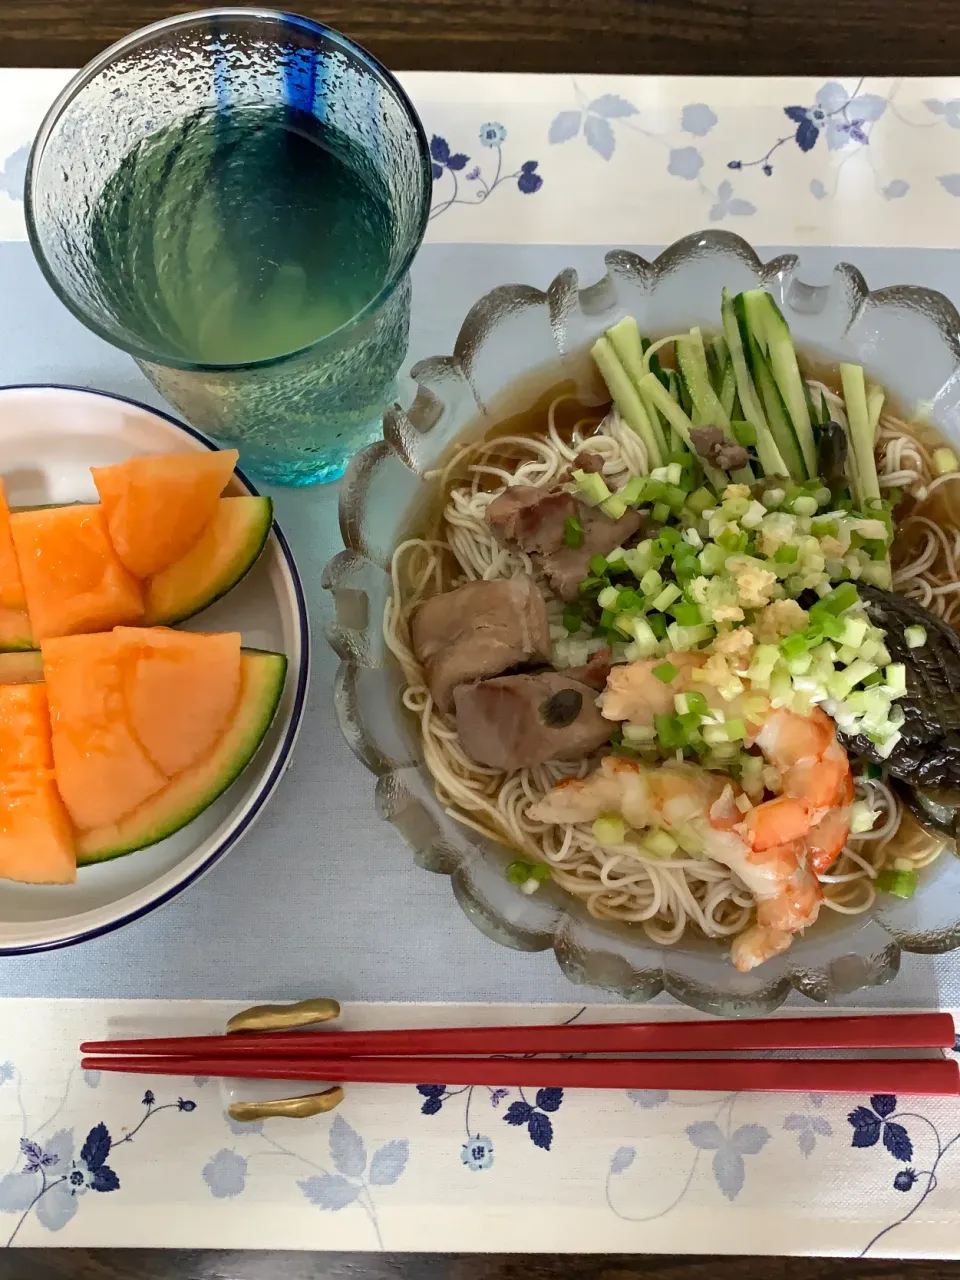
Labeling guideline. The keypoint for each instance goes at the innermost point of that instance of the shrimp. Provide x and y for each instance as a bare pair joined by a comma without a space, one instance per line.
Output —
680,795
817,791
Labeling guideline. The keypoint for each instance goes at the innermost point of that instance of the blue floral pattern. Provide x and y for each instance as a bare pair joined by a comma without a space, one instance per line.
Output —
881,1123
447,165
52,1178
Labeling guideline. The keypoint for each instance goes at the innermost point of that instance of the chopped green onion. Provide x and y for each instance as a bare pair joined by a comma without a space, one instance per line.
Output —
633,491
572,620
638,734
773,498
712,558
590,584
787,554
519,872
854,631
805,505
896,678
651,581
733,542
916,637
667,596
609,828
945,461
836,601
696,702
666,672
572,532
902,884
735,730
614,507
675,497
658,625
674,473
608,598
823,527
669,537
591,486
661,513
688,615
659,843
670,733
795,645
700,500
598,565
753,515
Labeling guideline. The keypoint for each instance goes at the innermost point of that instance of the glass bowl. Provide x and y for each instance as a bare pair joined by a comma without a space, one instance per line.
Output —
905,337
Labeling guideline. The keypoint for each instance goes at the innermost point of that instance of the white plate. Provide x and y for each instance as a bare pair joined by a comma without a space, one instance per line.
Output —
49,438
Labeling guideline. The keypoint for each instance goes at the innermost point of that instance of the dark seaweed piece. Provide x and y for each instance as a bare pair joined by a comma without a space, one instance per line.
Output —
832,457
937,807
928,753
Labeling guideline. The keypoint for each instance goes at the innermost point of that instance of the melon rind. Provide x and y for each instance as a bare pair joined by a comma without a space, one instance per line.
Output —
193,583
189,793
24,667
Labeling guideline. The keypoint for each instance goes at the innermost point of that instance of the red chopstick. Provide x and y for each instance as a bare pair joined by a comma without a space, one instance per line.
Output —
865,1075
884,1031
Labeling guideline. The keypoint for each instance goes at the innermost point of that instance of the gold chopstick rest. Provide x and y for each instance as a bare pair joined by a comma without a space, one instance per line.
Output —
284,1017
309,1104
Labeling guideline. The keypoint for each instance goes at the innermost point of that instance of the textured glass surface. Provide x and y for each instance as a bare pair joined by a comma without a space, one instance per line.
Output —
905,337
296,418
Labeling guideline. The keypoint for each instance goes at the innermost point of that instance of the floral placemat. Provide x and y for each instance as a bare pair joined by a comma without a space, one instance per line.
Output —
91,1159
97,1160
629,159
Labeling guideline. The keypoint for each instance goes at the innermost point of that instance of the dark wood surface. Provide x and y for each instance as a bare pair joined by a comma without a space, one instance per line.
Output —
692,37
144,1264
715,37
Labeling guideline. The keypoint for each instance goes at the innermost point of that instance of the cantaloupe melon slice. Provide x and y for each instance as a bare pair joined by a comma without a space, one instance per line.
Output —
190,792
72,577
14,620
224,552
36,838
157,507
102,769
180,690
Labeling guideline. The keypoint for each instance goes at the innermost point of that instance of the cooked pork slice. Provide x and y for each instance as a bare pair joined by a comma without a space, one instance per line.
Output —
531,519
565,569
516,722
477,630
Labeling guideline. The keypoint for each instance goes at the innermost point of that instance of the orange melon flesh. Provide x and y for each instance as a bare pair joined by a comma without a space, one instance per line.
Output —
36,838
101,767
157,507
72,577
180,690
14,619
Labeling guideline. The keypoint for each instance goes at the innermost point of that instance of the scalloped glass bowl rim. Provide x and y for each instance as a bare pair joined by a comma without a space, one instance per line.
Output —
404,430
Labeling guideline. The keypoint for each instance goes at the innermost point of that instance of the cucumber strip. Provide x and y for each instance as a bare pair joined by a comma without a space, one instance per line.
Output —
728,389
775,411
860,431
772,333
707,409
651,390
811,408
628,347
676,441
721,352
627,399
655,365
681,393
875,398
750,407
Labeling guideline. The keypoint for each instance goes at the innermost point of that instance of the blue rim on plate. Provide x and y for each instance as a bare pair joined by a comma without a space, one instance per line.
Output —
296,713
